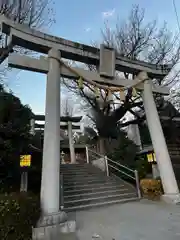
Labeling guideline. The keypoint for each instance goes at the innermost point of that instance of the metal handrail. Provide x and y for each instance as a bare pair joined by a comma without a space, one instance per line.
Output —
129,169
135,173
97,156
96,153
123,166
107,160
122,172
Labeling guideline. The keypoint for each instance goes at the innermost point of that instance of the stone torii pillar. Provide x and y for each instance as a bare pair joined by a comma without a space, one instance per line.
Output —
50,183
32,124
171,191
71,142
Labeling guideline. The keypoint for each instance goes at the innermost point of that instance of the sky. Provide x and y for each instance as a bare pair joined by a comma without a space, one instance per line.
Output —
81,21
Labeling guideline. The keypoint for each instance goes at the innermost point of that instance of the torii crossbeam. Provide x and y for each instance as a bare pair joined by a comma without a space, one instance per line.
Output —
41,66
26,37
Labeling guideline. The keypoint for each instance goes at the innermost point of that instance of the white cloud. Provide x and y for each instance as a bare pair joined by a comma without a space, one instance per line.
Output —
109,13
88,29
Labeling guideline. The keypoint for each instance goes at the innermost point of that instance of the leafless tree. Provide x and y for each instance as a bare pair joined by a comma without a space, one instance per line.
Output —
174,98
135,39
138,40
34,13
67,108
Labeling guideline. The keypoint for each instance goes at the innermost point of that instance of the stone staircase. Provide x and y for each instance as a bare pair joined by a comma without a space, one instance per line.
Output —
86,186
174,152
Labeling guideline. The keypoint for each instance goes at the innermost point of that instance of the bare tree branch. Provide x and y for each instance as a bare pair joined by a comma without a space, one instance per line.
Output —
135,39
34,13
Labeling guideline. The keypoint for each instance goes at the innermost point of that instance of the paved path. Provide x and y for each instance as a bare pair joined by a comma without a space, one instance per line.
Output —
144,220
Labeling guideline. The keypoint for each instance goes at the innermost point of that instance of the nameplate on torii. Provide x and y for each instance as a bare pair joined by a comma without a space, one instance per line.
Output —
41,65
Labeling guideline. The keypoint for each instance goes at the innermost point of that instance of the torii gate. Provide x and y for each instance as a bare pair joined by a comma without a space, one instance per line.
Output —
69,126
55,68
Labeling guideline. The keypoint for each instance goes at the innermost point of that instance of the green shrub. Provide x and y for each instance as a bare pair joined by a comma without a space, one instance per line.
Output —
143,167
124,152
18,213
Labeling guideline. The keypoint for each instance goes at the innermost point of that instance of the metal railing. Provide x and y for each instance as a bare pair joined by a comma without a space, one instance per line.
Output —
97,160
127,172
106,164
61,191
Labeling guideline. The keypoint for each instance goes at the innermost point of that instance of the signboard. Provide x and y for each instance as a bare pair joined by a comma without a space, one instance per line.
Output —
151,157
25,160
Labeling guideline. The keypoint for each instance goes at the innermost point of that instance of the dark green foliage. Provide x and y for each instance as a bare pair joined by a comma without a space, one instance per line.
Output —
14,137
14,123
125,152
34,174
143,167
145,135
18,213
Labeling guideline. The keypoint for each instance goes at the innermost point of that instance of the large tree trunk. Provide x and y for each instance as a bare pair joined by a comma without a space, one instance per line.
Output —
102,149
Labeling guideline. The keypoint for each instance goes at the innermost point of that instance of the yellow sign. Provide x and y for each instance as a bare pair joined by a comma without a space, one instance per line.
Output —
25,160
151,157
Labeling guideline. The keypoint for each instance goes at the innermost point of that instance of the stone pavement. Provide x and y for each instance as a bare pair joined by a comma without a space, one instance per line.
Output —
144,220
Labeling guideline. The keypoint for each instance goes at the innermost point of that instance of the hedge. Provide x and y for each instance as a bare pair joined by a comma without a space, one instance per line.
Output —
18,214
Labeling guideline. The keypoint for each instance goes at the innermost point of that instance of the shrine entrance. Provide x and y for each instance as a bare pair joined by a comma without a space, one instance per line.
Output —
55,68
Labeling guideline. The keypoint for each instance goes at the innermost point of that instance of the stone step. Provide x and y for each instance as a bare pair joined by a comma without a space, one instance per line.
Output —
83,173
90,185
83,177
75,167
91,199
79,169
101,204
94,187
87,186
88,181
83,195
69,173
175,161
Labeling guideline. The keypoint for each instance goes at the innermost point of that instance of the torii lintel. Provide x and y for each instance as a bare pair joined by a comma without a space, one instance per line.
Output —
41,65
